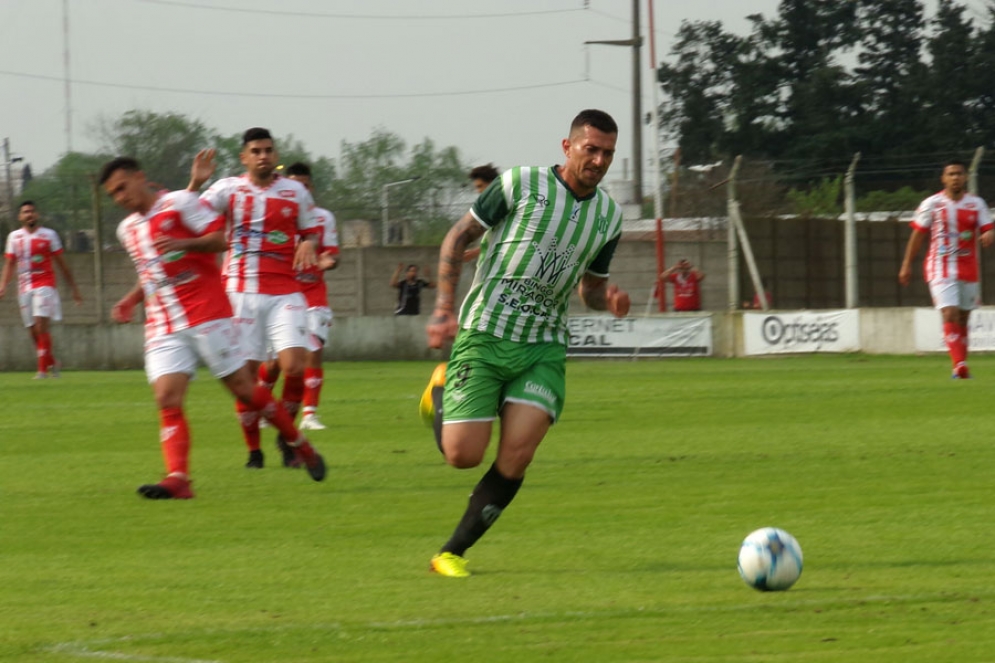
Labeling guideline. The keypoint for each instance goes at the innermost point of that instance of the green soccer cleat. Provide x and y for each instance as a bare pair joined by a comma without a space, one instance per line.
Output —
449,565
426,407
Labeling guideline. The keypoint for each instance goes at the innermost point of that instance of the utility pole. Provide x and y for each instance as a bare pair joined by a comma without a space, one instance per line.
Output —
636,43
7,161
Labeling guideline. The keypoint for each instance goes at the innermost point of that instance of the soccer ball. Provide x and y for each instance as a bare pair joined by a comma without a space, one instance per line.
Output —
770,560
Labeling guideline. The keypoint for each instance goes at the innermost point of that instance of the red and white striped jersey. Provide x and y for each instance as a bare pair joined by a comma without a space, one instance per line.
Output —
263,225
182,288
312,280
32,253
953,227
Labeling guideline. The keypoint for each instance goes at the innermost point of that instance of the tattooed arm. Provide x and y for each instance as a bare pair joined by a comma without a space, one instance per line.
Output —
442,324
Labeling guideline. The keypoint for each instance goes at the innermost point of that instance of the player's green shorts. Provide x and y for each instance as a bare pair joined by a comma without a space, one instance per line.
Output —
485,372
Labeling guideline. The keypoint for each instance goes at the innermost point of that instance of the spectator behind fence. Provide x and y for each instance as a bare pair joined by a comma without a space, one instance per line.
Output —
686,280
409,289
755,303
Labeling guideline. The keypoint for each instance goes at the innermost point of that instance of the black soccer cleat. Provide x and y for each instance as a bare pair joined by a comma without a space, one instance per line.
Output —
255,460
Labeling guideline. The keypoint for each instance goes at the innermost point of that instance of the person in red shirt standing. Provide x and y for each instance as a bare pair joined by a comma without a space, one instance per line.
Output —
271,232
686,280
33,249
172,239
951,221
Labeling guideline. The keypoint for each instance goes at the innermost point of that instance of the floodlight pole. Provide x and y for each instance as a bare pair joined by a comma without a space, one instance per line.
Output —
385,207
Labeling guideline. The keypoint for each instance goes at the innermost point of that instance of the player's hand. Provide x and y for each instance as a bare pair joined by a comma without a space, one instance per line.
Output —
987,238
442,327
123,311
470,254
3,291
165,244
305,257
202,168
905,275
77,297
618,301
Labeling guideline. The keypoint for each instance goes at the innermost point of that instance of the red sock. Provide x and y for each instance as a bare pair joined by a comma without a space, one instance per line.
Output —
174,434
268,378
293,391
313,379
43,350
264,404
964,339
51,353
248,418
955,342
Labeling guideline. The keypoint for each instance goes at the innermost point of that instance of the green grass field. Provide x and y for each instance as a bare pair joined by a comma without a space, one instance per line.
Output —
621,545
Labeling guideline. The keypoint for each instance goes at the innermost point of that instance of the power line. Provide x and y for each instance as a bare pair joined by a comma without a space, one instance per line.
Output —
274,95
368,17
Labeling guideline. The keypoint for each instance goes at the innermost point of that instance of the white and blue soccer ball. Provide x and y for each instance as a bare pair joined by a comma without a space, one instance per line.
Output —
770,560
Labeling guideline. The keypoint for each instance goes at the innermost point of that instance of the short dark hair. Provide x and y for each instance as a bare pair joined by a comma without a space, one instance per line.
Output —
255,133
486,173
120,163
598,119
954,162
25,203
298,168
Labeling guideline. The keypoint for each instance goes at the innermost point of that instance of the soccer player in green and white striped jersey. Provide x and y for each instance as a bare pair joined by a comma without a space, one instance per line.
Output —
545,231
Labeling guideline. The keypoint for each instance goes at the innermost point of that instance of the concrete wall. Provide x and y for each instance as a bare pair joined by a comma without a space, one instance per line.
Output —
382,338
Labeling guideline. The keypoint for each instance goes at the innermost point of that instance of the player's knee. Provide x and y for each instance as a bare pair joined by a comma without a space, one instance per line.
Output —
463,454
461,459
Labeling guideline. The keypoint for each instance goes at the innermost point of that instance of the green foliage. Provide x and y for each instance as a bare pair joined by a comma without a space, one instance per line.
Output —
165,144
823,79
820,200
905,198
621,545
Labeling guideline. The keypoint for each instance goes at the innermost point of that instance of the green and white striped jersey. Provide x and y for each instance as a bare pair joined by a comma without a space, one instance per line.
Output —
540,241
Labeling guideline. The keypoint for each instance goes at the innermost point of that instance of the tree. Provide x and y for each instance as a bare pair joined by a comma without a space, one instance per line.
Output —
426,203
697,87
890,74
164,143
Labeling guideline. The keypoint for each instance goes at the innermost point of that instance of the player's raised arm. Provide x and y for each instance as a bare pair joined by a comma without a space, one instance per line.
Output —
202,169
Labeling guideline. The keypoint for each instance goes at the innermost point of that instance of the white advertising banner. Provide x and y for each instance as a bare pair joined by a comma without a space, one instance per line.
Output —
928,330
608,336
801,331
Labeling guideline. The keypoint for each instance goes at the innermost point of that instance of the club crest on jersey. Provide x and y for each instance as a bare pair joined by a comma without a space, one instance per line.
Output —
552,263
602,223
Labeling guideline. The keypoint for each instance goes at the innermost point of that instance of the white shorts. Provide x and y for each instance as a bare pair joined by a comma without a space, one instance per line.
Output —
40,302
215,343
319,319
266,322
959,294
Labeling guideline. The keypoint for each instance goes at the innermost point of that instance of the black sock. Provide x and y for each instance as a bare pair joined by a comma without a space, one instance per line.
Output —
437,420
488,499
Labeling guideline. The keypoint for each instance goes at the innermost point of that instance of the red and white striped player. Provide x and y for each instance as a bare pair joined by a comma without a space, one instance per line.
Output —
951,221
271,231
172,239
319,313
32,250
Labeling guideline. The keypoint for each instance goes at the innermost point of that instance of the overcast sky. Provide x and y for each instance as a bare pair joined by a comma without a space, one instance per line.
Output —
499,80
